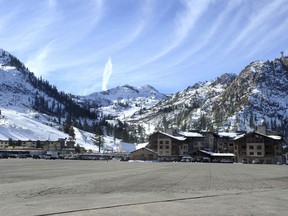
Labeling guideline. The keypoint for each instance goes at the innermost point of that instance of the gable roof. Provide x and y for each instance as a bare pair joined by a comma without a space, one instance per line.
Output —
180,138
190,134
215,154
274,137
144,148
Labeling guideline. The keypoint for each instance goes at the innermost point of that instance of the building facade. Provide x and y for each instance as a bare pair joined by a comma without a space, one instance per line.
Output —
143,154
266,148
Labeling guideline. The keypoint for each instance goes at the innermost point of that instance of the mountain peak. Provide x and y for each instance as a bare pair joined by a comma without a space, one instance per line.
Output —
6,59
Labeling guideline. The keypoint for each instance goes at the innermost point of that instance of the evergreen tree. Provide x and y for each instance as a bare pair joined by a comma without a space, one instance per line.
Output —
98,140
67,124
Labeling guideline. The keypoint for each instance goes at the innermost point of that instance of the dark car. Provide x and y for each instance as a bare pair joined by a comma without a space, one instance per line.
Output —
36,157
23,156
4,155
12,156
256,161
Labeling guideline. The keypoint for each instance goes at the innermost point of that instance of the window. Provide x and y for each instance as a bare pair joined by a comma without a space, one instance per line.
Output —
167,142
167,147
161,141
259,147
259,153
251,147
251,153
160,147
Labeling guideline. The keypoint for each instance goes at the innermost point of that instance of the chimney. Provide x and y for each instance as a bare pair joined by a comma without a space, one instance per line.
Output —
261,129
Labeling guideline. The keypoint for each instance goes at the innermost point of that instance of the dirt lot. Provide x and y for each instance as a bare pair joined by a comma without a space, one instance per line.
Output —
44,187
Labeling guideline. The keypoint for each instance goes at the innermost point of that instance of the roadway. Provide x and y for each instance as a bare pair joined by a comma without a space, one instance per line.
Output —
74,188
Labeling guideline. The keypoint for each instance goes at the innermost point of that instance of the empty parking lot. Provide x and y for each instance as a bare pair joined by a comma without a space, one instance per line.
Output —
60,187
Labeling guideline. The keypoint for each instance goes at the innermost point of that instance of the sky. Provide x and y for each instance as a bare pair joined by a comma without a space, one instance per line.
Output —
89,46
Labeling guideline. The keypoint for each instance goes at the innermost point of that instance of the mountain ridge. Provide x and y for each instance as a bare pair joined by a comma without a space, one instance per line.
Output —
230,102
257,96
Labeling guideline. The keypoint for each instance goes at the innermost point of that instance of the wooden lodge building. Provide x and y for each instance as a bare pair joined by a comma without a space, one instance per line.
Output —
37,146
262,144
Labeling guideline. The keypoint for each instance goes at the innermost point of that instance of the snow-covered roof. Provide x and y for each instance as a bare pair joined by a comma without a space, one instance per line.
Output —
190,134
180,138
150,150
141,145
214,154
275,137
228,134
239,136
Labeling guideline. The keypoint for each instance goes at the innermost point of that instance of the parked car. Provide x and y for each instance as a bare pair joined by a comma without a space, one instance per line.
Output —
187,159
4,155
256,161
244,161
206,160
13,155
36,157
226,160
23,156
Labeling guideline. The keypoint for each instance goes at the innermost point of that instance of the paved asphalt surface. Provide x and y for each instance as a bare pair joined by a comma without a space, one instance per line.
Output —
66,188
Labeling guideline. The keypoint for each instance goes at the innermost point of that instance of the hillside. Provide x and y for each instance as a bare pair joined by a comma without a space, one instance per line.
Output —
33,109
257,96
123,101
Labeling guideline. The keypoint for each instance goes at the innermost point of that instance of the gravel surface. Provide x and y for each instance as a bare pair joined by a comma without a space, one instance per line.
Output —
62,187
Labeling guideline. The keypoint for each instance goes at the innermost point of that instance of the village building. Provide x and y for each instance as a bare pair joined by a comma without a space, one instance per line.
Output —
37,146
143,154
194,141
225,142
261,144
167,146
264,145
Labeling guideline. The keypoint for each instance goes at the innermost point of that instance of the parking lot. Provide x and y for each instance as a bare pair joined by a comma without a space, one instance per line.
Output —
72,187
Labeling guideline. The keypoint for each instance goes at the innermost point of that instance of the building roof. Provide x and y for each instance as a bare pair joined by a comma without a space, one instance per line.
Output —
190,134
214,154
144,148
275,137
180,138
228,134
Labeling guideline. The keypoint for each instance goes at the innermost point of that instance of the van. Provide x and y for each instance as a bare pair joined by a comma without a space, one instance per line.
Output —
187,159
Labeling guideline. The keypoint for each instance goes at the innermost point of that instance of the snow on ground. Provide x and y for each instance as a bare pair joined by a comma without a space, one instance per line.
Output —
19,125
141,145
25,124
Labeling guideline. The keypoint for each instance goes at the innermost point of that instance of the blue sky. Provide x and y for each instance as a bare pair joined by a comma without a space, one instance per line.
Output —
92,45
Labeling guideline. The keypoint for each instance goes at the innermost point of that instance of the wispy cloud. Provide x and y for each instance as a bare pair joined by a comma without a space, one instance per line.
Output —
184,23
207,35
38,63
67,41
106,74
258,19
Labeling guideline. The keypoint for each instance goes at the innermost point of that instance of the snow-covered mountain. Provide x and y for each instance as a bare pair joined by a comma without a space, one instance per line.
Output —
257,96
20,117
124,101
33,109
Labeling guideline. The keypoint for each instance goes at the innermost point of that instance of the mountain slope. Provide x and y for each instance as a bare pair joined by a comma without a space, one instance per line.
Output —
28,105
257,96
123,101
